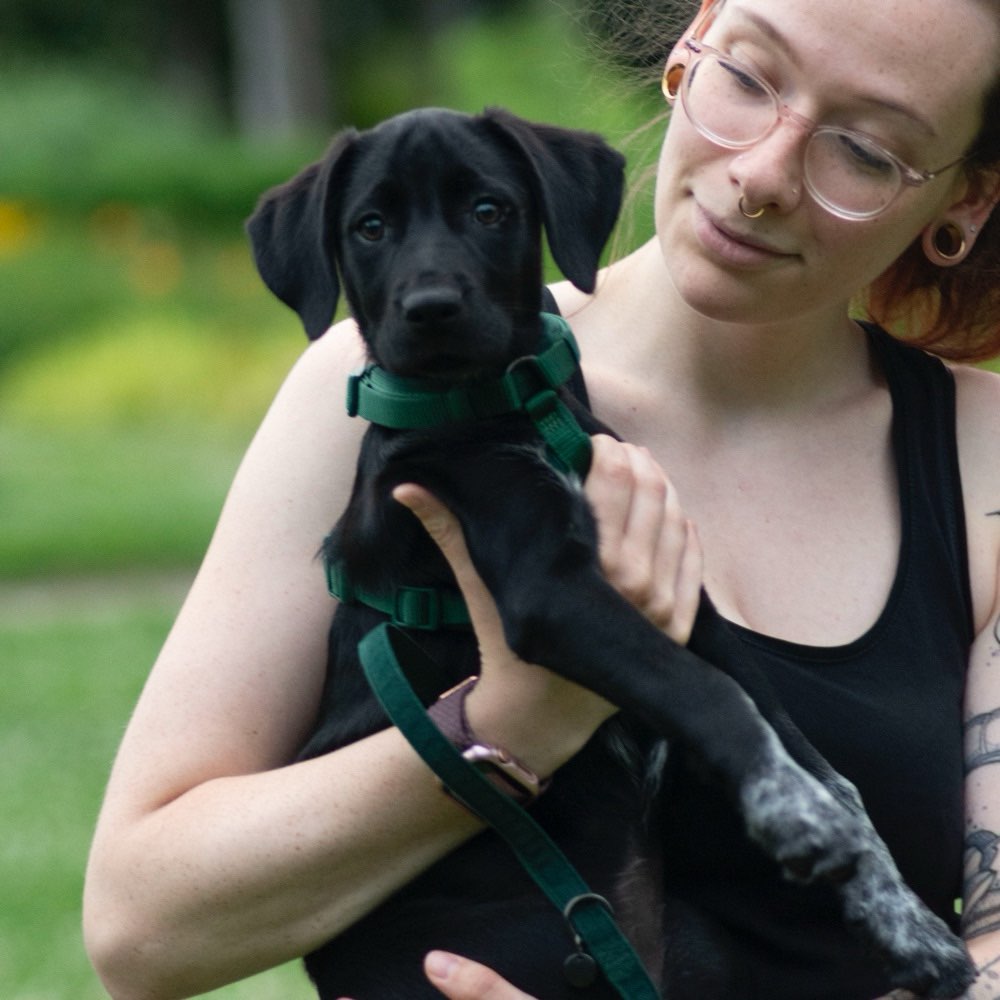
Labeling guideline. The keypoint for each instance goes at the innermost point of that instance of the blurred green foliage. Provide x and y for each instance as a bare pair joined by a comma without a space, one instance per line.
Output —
138,350
138,347
113,196
86,136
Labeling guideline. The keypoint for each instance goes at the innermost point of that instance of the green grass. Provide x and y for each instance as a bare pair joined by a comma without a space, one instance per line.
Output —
71,675
81,501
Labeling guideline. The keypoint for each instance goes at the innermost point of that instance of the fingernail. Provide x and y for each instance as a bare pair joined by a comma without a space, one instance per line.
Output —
439,964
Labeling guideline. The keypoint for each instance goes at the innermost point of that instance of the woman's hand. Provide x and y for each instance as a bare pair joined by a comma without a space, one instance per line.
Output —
511,696
649,551
461,979
648,548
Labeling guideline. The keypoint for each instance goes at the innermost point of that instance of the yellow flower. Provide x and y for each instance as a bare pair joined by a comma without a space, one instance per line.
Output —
16,227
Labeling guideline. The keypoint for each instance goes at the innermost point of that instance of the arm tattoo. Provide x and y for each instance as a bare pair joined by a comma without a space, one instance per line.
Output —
981,908
986,986
981,911
982,740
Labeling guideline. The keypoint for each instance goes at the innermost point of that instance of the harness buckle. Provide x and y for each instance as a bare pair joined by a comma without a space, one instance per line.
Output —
542,405
417,607
338,584
528,380
354,392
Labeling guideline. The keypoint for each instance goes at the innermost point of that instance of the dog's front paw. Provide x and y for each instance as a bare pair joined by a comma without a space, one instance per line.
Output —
799,823
919,950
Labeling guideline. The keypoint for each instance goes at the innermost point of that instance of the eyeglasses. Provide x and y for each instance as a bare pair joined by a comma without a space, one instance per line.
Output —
847,172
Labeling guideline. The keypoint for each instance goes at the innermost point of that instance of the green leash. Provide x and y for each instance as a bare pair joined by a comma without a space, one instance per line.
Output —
587,914
529,386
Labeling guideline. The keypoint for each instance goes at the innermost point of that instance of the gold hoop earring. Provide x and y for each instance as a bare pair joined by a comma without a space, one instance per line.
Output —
945,244
750,215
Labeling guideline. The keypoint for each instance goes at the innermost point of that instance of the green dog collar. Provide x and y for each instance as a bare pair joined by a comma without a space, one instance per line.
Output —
529,386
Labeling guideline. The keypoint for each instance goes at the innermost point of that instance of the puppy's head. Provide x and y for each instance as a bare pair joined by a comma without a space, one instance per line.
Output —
432,224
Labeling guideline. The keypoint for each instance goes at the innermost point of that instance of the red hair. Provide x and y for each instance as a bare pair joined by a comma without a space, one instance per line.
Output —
953,312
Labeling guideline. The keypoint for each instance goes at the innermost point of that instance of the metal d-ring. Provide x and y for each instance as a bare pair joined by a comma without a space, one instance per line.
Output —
580,968
585,897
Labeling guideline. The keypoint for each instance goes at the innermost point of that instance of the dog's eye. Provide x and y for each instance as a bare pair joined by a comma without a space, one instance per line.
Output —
487,212
371,227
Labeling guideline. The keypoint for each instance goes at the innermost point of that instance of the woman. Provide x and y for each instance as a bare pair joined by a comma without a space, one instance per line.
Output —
816,458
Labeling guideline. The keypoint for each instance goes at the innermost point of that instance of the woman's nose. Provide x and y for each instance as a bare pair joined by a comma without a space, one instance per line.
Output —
769,173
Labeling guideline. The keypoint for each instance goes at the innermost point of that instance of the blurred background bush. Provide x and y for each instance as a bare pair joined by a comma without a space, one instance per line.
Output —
133,145
138,349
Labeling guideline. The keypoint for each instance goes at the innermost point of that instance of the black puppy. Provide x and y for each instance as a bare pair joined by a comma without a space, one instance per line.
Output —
432,222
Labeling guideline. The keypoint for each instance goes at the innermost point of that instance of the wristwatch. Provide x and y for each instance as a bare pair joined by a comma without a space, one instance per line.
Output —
499,766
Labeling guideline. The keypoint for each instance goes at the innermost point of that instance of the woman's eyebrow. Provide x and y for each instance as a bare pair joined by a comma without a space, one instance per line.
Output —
774,34
771,31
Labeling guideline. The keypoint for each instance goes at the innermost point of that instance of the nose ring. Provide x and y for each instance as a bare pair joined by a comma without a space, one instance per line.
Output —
750,215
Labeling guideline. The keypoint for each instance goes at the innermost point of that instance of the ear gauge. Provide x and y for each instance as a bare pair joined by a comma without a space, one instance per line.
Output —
945,244
671,82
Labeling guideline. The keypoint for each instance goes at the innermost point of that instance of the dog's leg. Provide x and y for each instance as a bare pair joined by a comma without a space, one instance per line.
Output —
813,829
542,571
875,900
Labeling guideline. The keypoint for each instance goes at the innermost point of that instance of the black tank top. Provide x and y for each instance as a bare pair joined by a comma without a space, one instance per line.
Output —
885,709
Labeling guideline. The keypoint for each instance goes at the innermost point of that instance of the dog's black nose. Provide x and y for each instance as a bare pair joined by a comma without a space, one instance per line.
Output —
429,306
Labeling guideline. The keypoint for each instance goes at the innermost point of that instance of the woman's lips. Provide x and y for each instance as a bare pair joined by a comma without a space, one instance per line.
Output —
729,242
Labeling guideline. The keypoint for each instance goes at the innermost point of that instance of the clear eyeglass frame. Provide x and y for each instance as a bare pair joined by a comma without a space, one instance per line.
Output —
677,77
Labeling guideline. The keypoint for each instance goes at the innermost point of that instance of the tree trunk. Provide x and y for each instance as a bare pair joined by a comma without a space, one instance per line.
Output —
280,79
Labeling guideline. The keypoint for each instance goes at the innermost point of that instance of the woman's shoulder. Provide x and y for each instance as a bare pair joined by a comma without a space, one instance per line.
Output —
328,360
569,298
308,415
978,416
619,346
307,441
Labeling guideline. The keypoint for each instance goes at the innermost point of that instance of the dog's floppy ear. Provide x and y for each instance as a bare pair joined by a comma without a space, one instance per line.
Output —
579,182
290,235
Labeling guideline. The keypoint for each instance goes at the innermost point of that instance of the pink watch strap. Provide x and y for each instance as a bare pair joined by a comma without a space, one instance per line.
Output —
510,775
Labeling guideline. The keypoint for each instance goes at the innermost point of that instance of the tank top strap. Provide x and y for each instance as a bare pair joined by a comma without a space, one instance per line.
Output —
926,449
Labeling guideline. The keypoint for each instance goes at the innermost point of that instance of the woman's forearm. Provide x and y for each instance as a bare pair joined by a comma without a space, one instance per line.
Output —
985,951
242,873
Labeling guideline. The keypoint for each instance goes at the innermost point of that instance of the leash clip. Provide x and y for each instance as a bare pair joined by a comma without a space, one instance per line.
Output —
580,968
